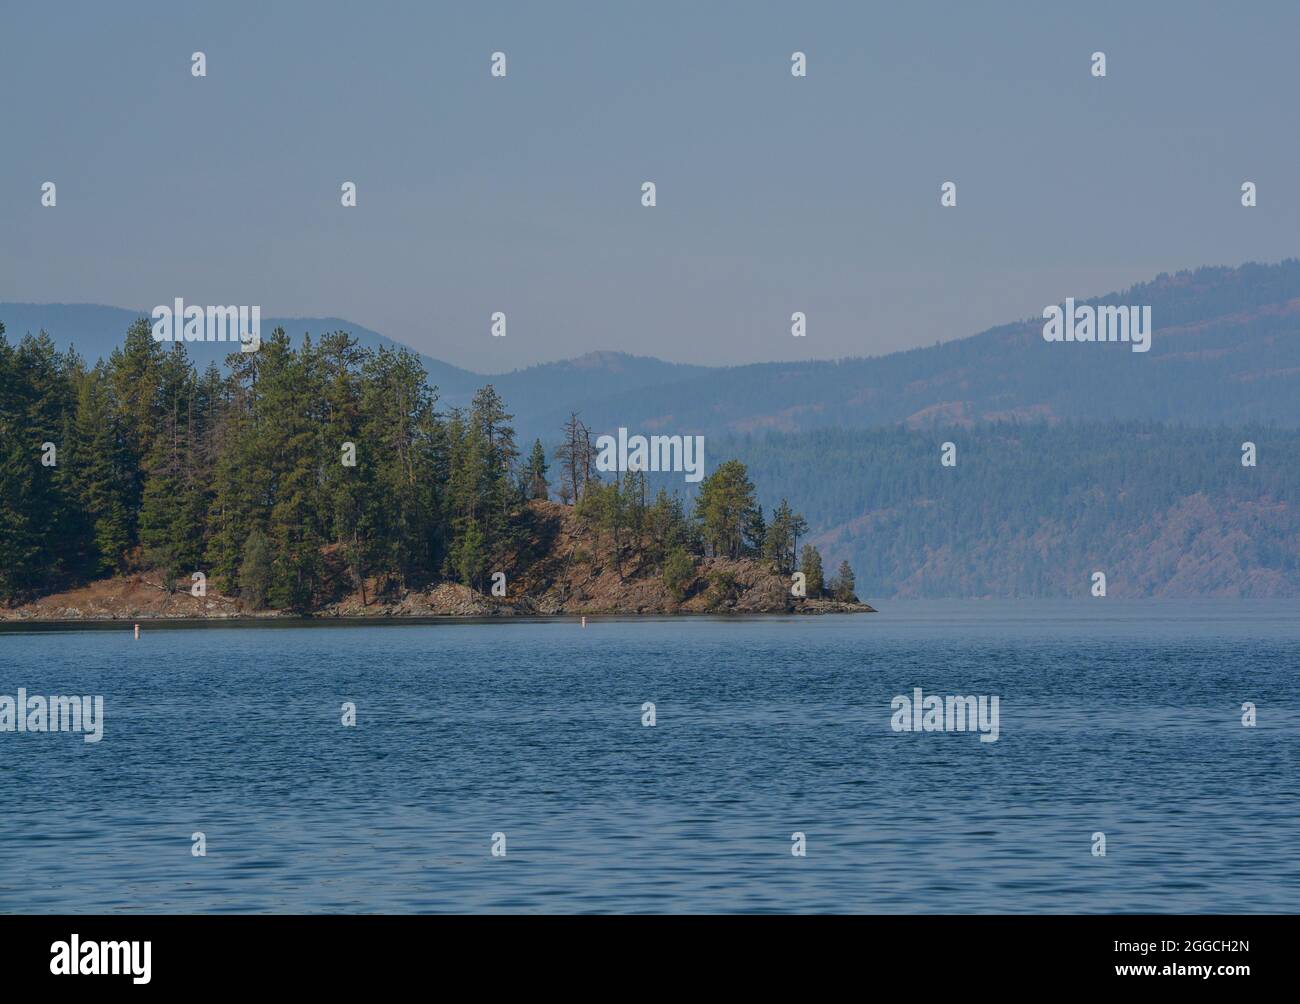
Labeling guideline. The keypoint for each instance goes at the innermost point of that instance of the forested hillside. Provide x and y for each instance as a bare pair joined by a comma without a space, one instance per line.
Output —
1033,509
299,457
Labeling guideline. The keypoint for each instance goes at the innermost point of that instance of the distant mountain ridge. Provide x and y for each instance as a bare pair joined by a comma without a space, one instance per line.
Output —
1224,351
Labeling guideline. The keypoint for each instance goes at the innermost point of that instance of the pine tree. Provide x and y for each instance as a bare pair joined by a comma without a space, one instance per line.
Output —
240,474
20,539
171,510
103,471
725,509
679,570
471,555
797,527
575,456
48,541
288,430
255,571
135,372
810,564
842,586
601,511
402,468
495,437
348,494
537,487
776,542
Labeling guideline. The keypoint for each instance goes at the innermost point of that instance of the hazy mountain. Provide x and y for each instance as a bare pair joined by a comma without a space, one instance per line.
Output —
1224,350
541,397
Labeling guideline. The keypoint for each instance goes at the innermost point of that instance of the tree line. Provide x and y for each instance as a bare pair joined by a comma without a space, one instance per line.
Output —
256,474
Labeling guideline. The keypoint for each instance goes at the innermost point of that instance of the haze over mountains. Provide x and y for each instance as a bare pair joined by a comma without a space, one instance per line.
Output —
1072,457
1224,350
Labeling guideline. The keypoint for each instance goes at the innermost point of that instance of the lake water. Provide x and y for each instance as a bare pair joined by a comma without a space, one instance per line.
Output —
1115,716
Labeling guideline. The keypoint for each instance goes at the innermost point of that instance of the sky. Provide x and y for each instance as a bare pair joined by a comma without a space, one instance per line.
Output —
522,194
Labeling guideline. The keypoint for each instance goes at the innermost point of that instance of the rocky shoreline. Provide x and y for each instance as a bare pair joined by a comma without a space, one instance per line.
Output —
135,599
561,575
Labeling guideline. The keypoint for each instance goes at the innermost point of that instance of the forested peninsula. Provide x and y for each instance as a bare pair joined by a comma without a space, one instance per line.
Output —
325,480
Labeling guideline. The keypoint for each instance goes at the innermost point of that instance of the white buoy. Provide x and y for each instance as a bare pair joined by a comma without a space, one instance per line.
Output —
584,622
137,632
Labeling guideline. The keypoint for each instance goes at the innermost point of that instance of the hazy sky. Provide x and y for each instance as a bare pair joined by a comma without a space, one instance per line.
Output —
522,194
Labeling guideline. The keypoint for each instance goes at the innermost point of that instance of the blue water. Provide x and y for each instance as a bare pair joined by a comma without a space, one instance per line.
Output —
1115,716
